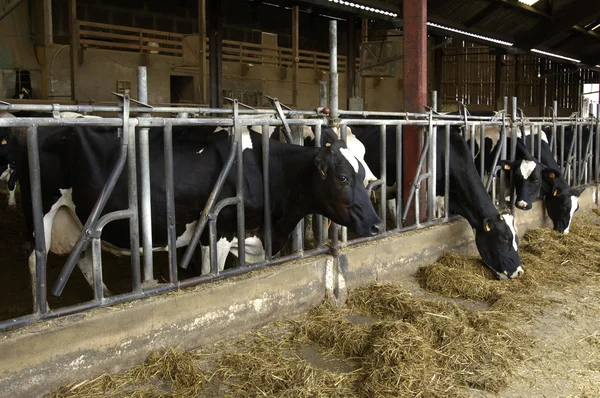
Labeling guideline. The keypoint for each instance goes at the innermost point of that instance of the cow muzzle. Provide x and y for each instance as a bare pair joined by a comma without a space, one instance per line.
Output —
523,205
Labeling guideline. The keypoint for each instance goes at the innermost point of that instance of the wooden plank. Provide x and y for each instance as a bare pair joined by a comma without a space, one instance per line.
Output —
131,29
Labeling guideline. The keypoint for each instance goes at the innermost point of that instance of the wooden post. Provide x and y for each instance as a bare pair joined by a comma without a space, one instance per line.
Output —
202,50
295,59
74,42
517,77
499,98
415,93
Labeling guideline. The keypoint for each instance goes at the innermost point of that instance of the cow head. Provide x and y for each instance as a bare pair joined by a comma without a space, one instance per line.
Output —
340,191
497,240
356,148
527,179
561,200
23,93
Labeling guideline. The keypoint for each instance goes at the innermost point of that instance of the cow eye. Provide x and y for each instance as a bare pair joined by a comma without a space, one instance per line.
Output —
342,178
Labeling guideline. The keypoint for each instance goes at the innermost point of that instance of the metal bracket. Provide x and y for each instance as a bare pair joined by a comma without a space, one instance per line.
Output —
56,111
5,103
122,96
238,102
286,127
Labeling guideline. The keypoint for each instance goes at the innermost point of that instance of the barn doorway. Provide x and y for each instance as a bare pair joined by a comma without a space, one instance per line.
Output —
182,89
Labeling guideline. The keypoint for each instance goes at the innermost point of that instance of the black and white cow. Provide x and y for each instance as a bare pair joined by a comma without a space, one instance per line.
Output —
495,234
76,162
562,201
526,171
23,93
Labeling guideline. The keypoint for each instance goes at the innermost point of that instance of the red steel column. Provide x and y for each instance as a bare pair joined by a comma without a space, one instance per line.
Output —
415,92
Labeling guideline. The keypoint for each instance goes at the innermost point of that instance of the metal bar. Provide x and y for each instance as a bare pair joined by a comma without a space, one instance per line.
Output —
333,71
430,167
383,176
502,189
579,155
482,153
98,207
268,238
97,268
562,150
132,193
399,176
447,175
170,196
187,256
241,229
597,141
319,218
39,279
414,185
214,254
144,158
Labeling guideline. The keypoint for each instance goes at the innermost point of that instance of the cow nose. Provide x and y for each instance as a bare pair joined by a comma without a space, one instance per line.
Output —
518,273
522,204
377,228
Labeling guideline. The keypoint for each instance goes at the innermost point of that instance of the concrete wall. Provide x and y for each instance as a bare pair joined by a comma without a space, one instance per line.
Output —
43,356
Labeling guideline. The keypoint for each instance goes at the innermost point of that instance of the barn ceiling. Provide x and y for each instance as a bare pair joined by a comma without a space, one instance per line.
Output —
569,28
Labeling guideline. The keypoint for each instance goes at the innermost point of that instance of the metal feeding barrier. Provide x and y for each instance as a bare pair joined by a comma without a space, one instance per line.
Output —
573,140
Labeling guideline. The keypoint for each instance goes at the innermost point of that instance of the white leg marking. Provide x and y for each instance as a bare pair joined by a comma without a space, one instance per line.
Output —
11,198
439,207
223,247
255,253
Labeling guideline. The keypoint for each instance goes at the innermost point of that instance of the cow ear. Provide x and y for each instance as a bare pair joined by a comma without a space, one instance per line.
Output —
321,163
550,173
506,164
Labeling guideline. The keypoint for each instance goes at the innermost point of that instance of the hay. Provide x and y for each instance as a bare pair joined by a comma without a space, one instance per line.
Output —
266,365
169,373
396,344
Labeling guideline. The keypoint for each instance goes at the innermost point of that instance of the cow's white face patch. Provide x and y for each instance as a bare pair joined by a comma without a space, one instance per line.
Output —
544,137
510,221
6,174
574,205
350,157
527,167
200,151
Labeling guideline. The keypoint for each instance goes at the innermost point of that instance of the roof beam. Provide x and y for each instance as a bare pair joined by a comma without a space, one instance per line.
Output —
483,15
541,13
564,21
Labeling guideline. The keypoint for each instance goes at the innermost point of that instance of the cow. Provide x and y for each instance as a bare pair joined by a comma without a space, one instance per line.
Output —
23,93
495,233
561,200
76,161
526,171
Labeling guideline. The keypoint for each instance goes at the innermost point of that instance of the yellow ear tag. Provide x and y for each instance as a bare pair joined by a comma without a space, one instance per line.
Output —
329,224
555,193
501,218
4,142
552,175
507,166
328,144
323,173
487,227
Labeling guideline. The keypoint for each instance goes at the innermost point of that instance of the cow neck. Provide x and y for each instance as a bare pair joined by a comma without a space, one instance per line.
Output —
467,194
291,171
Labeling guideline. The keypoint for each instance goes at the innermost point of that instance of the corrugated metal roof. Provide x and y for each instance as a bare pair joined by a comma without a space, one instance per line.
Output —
512,21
